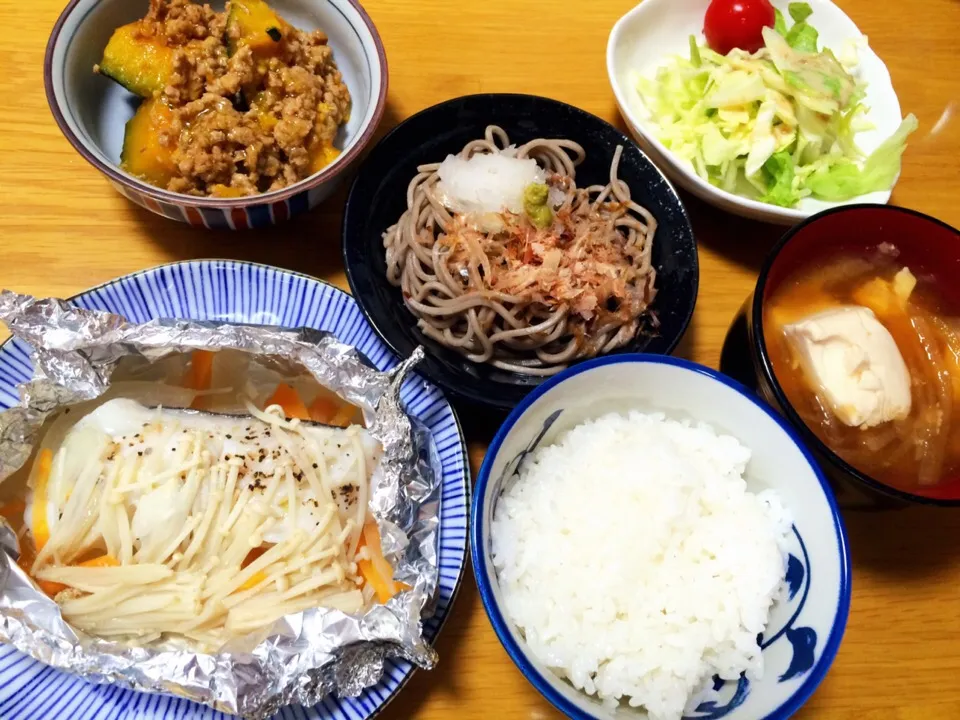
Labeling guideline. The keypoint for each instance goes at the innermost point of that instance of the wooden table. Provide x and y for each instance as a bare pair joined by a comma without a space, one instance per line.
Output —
63,229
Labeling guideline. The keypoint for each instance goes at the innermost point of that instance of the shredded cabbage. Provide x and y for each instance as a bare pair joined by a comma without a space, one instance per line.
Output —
777,125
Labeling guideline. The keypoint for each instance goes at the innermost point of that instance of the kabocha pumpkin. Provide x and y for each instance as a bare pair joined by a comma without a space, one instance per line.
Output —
147,149
236,102
254,24
140,62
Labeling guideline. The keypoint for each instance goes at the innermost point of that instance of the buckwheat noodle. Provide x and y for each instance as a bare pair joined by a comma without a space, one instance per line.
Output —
457,305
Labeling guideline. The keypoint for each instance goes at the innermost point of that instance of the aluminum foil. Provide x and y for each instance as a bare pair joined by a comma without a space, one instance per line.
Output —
306,655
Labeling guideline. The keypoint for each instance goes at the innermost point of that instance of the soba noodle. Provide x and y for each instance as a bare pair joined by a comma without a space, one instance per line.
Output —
451,279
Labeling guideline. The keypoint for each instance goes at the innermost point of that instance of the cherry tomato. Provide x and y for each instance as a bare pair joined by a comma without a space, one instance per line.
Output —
732,24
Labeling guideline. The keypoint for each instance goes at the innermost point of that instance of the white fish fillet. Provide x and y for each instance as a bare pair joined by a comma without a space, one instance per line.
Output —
196,492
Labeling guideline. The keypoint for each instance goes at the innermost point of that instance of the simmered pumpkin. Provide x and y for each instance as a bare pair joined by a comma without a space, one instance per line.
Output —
254,23
144,152
141,63
321,155
225,191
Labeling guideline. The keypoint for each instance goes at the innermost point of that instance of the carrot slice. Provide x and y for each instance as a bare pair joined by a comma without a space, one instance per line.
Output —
377,570
52,589
288,399
100,561
323,409
345,416
25,561
330,411
252,556
13,509
257,577
200,376
41,531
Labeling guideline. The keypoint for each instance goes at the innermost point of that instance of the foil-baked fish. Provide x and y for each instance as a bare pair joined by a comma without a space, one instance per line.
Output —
186,527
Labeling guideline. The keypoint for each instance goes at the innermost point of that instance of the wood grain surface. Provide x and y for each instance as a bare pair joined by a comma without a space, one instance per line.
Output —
63,229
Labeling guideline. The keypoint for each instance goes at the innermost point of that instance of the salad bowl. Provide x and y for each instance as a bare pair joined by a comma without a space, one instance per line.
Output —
654,32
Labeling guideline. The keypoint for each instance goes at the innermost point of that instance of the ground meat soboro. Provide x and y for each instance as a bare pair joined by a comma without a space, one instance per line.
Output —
254,108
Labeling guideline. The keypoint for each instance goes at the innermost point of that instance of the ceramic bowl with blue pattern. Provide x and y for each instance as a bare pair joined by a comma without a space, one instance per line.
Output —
236,292
92,110
806,624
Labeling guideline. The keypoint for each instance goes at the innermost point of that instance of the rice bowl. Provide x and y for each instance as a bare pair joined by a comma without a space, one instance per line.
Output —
699,528
668,397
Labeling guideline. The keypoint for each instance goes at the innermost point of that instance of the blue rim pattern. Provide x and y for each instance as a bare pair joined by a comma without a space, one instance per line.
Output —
485,582
222,290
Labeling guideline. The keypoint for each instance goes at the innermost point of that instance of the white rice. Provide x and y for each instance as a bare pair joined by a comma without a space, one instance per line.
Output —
635,561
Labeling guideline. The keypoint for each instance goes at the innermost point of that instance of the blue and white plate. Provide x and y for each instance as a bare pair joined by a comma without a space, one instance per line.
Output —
227,291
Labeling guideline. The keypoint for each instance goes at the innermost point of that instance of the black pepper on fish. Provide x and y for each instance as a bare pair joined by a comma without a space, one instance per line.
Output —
208,459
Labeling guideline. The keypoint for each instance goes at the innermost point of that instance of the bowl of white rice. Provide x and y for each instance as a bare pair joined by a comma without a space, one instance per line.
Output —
650,540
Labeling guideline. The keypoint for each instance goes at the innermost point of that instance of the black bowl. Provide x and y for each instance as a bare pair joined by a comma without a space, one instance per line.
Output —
378,199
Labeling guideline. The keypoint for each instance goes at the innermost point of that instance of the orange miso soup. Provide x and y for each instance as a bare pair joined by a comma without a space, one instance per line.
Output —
922,450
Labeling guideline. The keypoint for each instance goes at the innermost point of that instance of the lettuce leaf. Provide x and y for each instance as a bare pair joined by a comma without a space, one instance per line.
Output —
780,25
799,11
695,58
845,179
779,170
803,37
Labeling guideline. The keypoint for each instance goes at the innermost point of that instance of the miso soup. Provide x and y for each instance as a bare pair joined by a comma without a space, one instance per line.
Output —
908,446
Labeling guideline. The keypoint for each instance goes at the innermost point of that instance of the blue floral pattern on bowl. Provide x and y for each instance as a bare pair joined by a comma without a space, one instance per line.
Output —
802,640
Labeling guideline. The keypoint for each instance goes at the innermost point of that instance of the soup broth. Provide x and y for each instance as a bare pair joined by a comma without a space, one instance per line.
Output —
920,450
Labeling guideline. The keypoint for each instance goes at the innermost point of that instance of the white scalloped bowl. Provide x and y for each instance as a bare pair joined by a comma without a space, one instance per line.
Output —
646,37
